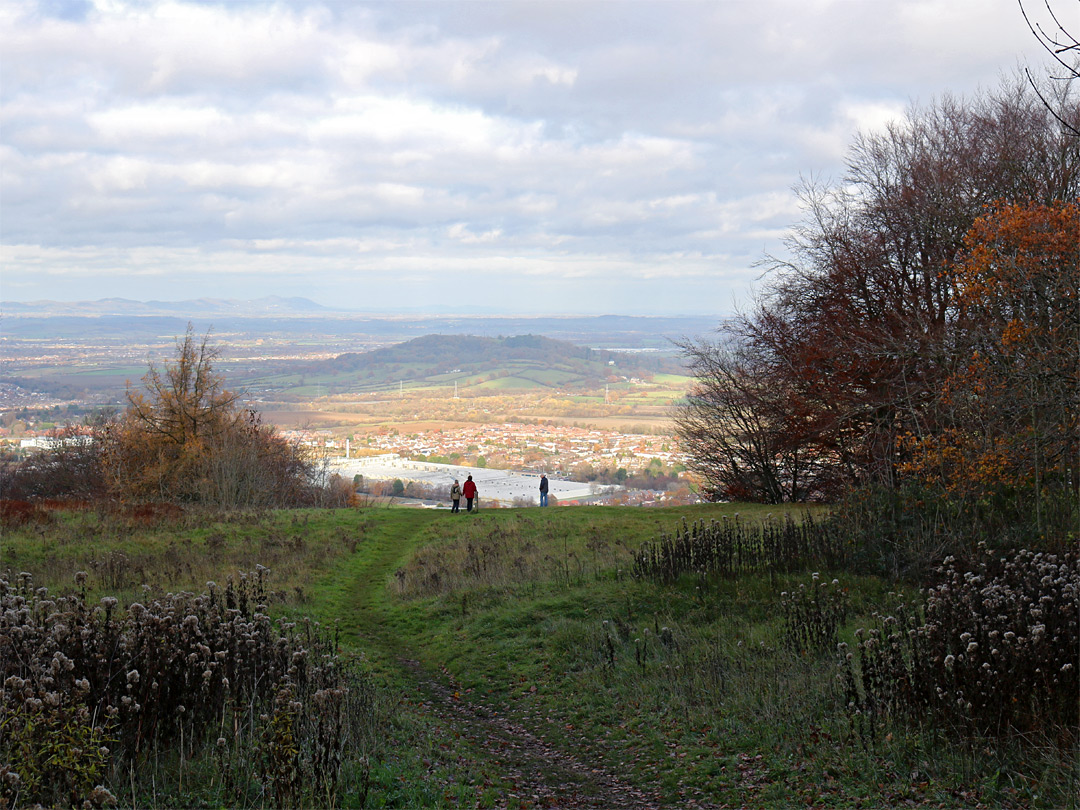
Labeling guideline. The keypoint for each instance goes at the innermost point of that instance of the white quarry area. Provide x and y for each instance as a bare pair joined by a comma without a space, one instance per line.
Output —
491,485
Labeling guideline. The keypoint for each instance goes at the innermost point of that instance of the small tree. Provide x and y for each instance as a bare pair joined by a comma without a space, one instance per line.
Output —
186,437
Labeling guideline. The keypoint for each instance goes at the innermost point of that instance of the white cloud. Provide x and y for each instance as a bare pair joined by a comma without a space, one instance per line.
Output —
872,116
156,122
643,151
462,234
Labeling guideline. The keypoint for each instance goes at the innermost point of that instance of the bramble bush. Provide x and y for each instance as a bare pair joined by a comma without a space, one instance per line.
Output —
992,651
93,691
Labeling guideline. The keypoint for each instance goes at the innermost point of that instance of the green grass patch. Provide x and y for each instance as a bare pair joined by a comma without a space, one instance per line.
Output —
509,383
687,691
551,377
673,380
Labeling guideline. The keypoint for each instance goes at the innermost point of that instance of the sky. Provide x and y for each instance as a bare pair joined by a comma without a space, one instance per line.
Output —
507,157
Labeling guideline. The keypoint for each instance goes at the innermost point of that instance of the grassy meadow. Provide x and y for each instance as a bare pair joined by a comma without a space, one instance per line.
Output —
518,663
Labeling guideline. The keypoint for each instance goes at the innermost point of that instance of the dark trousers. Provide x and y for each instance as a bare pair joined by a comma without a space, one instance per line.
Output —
543,498
456,505
468,504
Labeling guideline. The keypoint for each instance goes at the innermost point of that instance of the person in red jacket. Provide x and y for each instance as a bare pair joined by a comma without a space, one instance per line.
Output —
469,491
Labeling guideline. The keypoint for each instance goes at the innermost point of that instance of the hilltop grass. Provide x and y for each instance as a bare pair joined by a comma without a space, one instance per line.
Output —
687,691
169,549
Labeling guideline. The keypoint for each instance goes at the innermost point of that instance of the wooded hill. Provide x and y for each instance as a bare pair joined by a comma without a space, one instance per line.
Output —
514,362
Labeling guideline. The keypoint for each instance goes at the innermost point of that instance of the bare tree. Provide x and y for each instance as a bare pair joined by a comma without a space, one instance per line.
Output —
735,428
1064,47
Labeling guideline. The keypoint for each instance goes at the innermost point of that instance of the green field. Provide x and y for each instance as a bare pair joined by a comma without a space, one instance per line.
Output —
520,665
510,383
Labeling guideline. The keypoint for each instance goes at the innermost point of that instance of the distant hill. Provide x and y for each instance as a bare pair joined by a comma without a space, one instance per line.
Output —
454,350
520,361
146,321
199,307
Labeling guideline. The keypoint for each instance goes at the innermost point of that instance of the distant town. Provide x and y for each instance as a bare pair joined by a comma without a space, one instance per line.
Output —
603,466
551,447
526,405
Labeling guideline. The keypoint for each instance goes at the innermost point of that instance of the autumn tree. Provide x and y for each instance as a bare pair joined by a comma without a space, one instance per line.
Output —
1008,418
185,437
856,329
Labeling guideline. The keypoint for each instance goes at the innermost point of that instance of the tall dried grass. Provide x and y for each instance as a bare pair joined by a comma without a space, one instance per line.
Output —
731,547
992,650
270,707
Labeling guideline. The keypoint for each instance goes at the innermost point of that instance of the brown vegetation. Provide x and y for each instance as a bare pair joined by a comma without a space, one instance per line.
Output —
93,694
924,337
894,276
183,439
993,651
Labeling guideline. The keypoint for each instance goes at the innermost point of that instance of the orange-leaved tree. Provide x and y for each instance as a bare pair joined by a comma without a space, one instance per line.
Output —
1007,417
187,438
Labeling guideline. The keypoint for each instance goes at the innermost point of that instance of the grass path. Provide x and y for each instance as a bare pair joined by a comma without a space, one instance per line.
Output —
513,765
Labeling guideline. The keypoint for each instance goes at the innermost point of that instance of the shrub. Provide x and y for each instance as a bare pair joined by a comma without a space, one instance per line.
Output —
61,754
69,466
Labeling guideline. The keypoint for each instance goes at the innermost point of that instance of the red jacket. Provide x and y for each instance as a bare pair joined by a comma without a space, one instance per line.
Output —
469,490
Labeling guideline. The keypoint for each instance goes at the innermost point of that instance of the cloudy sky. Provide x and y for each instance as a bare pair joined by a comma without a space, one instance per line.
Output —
513,157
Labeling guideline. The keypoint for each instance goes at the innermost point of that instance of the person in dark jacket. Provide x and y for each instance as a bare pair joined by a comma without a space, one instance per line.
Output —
543,490
469,491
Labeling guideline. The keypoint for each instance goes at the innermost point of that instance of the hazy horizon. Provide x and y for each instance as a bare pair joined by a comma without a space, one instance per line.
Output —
444,311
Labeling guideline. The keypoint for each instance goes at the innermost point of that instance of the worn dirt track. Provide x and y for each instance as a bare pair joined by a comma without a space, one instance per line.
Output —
539,775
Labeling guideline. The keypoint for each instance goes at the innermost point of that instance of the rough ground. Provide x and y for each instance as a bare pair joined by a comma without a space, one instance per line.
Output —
539,775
